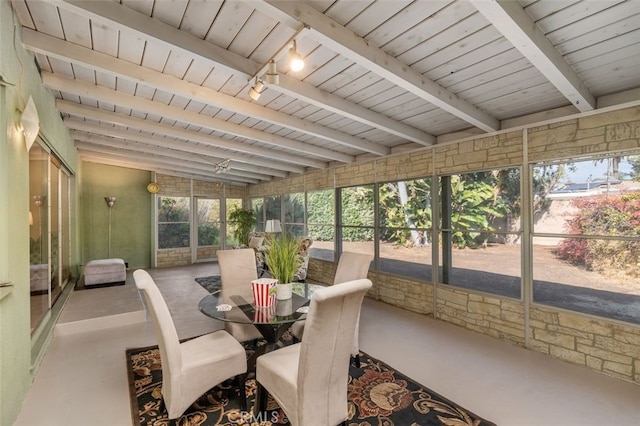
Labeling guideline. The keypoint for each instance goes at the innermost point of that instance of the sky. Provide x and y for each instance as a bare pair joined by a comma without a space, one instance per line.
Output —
587,170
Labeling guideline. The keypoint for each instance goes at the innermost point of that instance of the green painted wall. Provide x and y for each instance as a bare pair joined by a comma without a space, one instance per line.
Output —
17,66
130,216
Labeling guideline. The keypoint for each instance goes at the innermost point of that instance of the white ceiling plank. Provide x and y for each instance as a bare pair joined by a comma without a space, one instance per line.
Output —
130,47
189,135
347,43
104,38
55,47
46,19
24,15
627,96
240,162
338,105
204,163
170,12
155,55
518,27
199,15
144,26
615,33
231,17
92,153
77,28
375,15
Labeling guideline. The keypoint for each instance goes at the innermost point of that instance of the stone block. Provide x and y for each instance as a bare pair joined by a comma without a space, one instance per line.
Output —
567,355
554,338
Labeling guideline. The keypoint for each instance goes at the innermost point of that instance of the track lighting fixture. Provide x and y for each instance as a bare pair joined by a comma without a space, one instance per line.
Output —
256,90
222,166
272,77
296,63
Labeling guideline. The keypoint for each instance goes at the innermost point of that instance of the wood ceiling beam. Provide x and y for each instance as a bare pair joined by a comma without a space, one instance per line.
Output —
198,161
297,89
349,44
41,43
125,100
516,25
136,123
130,20
63,50
89,153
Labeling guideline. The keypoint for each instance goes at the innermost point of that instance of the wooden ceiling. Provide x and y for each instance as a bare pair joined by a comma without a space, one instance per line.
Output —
163,85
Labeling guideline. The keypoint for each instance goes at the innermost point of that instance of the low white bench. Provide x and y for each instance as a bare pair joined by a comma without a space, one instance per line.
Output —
105,271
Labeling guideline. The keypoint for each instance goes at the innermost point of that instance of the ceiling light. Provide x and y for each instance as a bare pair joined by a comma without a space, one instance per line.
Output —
296,63
222,166
272,77
256,90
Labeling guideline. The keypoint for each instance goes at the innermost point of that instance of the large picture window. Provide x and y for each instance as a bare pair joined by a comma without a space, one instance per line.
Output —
357,219
404,211
586,236
321,223
294,214
173,222
480,231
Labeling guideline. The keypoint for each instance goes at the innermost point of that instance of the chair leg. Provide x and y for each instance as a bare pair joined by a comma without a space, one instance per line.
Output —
242,379
261,399
355,360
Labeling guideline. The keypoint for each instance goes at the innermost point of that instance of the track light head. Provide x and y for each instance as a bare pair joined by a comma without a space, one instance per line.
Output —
296,63
256,90
272,77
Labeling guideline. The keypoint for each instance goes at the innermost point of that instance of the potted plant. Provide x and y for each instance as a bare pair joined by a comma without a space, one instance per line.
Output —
244,220
283,262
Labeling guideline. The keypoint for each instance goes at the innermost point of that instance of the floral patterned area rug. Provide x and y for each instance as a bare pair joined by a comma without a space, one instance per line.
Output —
378,395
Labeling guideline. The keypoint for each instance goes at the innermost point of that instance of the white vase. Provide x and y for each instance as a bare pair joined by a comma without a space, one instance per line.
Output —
284,291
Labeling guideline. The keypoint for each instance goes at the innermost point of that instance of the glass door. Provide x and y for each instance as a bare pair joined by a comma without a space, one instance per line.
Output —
209,225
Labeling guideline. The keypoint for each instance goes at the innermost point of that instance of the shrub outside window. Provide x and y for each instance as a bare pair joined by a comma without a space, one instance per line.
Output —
320,223
173,222
480,231
357,219
589,225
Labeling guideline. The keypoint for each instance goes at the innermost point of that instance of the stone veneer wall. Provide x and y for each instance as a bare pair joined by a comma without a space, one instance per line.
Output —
599,344
183,187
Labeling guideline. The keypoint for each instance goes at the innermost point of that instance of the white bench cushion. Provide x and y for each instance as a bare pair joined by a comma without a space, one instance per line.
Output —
103,271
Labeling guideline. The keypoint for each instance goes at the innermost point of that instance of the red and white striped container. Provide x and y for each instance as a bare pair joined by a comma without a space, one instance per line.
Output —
262,315
264,291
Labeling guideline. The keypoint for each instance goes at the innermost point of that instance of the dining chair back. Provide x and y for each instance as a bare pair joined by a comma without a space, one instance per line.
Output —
309,379
238,269
191,368
351,266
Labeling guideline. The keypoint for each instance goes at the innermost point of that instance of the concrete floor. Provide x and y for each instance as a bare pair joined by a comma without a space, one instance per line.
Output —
82,379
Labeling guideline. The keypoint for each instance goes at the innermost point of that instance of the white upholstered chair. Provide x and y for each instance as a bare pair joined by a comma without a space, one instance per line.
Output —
351,266
238,268
309,379
191,368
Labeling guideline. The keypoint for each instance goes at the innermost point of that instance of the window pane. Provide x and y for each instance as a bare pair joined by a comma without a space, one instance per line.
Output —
405,228
232,204
586,242
592,276
492,267
273,207
173,235
294,208
208,222
173,222
320,223
257,205
357,207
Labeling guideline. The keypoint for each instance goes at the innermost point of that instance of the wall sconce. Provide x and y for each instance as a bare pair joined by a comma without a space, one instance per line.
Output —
272,77
296,63
222,166
256,90
30,123
272,226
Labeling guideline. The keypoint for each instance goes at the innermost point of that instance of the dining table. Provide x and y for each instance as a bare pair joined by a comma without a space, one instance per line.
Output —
236,304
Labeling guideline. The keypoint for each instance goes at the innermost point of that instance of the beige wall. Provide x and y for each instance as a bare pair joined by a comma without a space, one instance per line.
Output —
603,345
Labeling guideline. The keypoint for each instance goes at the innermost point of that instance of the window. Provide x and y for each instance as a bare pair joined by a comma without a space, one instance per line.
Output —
320,223
231,205
586,235
404,211
357,219
294,214
208,220
480,231
173,222
257,205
